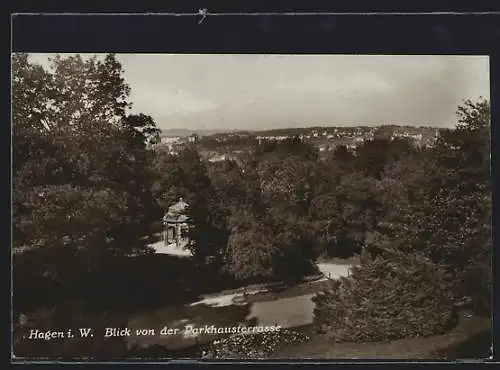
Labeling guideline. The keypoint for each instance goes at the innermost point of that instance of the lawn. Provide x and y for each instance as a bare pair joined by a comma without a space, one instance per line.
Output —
354,260
470,339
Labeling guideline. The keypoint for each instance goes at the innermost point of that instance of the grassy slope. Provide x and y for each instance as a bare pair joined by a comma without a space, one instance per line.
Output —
470,331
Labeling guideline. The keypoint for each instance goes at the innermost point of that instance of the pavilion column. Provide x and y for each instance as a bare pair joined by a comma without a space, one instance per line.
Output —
178,235
169,228
165,229
172,227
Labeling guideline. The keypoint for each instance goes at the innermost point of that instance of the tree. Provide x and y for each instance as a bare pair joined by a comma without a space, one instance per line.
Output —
31,95
97,161
168,184
227,178
80,181
250,251
394,296
294,239
270,231
272,246
360,206
372,156
409,191
343,158
286,173
383,299
442,206
142,129
91,89
469,177
433,230
186,176
326,207
475,117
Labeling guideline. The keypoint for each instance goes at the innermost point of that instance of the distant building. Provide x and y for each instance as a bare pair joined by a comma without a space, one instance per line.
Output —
170,140
431,140
170,149
194,138
414,138
383,133
271,138
218,158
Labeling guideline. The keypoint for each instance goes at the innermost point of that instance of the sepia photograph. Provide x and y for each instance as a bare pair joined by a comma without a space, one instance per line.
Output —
251,206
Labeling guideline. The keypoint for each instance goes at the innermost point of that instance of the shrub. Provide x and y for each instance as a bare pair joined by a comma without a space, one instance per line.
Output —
394,296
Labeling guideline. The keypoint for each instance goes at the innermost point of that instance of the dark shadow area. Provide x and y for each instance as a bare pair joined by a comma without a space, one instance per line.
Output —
477,346
131,284
284,291
302,266
154,237
144,282
64,316
125,284
344,247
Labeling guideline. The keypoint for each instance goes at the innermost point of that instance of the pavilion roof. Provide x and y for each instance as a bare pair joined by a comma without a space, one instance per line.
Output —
177,212
176,219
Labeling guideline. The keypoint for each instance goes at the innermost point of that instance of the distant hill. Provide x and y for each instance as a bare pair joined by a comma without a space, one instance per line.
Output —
175,132
293,131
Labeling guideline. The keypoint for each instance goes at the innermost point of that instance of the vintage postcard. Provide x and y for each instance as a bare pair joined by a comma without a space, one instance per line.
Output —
245,206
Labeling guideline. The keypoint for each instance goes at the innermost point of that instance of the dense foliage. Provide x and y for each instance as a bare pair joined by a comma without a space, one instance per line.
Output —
389,298
81,169
431,244
89,186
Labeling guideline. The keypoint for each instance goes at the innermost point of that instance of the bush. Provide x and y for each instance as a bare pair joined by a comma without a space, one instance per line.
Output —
253,346
391,297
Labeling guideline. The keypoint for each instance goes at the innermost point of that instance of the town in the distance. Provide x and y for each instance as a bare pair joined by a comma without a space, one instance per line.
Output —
235,145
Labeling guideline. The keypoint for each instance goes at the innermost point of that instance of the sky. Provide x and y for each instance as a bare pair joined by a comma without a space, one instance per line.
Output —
256,92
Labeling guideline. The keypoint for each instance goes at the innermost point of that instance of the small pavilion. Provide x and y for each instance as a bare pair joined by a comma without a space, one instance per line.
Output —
175,223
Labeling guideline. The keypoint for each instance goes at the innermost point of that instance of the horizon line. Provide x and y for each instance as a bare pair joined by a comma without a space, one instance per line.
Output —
216,131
